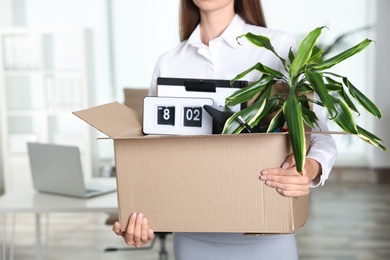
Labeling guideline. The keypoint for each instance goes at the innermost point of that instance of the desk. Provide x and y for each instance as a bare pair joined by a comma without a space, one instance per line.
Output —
27,200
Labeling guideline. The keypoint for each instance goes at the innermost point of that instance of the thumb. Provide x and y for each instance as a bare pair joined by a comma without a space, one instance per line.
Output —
289,162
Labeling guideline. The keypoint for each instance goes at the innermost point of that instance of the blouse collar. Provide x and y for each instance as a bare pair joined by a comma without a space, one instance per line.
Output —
234,29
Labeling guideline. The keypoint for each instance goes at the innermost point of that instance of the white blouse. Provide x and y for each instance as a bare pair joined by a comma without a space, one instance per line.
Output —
224,58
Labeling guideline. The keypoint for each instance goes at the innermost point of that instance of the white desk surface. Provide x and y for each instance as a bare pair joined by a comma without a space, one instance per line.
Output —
27,200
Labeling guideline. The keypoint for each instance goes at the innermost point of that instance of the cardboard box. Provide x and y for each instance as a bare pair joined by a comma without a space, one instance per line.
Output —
206,183
134,98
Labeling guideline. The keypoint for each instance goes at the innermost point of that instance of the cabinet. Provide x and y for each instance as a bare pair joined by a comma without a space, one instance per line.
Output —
44,76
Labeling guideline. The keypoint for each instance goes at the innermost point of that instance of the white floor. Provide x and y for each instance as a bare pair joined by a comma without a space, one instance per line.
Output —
73,236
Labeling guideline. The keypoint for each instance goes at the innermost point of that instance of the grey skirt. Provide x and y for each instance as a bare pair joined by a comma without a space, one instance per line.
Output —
231,246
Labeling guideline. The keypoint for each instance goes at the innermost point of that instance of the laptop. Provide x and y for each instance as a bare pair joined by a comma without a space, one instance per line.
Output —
57,169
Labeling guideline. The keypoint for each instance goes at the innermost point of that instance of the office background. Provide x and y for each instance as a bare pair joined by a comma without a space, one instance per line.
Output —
128,36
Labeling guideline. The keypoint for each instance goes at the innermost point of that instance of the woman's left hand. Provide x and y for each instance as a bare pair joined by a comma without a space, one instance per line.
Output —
288,181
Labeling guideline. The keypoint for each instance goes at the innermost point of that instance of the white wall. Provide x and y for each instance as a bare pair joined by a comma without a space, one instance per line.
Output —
142,30
6,15
88,14
380,159
6,19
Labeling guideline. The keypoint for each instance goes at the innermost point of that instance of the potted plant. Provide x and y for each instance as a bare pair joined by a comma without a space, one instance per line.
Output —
306,72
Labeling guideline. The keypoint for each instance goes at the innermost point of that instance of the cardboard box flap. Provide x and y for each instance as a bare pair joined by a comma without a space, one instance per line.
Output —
113,119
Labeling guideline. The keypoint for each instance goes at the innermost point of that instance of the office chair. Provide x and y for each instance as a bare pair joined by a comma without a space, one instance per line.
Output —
134,98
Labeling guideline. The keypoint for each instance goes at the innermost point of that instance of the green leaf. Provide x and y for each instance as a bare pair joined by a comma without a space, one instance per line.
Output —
252,115
362,99
304,100
261,68
291,55
266,93
341,40
347,100
262,41
305,74
319,87
326,64
370,138
309,117
344,117
304,52
305,88
270,106
248,92
342,93
316,55
292,110
369,134
333,85
277,121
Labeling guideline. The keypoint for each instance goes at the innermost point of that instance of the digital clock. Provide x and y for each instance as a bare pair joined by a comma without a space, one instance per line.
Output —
174,115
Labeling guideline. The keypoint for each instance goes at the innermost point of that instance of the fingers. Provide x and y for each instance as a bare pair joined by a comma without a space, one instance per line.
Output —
150,234
147,233
136,221
287,182
142,233
117,229
289,162
137,231
289,189
293,193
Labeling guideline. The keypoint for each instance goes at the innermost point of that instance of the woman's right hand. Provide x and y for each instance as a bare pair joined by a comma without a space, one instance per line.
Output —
137,231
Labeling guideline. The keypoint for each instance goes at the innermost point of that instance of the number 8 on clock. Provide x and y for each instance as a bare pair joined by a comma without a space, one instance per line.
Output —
166,115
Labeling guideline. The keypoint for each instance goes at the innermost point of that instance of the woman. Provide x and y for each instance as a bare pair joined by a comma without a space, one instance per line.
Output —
209,50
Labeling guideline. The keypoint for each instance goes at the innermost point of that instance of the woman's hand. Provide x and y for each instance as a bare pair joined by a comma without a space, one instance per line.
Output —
287,181
137,231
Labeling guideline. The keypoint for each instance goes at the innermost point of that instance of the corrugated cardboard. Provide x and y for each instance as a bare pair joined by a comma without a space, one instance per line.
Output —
204,183
134,98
